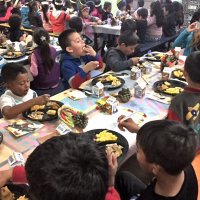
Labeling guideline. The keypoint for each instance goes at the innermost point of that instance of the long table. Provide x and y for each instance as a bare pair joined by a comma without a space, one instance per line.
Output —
153,110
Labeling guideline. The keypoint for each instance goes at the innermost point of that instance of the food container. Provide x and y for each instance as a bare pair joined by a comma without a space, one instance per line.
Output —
140,89
135,73
166,73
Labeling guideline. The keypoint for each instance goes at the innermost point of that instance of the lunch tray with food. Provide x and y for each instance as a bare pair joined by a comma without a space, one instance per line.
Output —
13,55
154,56
43,112
109,139
109,81
169,87
178,73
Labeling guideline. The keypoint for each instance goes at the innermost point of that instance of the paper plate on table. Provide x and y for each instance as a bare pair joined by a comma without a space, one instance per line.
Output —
169,87
13,55
119,140
43,113
154,56
109,81
178,73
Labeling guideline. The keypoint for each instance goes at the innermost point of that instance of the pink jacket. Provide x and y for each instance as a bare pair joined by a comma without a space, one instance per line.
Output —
7,16
19,176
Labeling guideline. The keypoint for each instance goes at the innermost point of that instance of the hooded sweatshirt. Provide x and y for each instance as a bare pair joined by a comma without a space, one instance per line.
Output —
57,19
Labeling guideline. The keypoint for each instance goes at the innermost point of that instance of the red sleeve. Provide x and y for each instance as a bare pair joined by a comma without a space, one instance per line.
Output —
19,175
77,80
67,17
112,194
172,116
7,16
100,60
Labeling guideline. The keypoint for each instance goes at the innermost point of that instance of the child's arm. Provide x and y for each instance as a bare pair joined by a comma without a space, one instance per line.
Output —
7,16
34,67
10,112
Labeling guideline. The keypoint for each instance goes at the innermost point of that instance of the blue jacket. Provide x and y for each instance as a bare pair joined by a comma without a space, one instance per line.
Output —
24,14
184,40
71,67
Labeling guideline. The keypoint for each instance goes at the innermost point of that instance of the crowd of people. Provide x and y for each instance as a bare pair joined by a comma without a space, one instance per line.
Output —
71,167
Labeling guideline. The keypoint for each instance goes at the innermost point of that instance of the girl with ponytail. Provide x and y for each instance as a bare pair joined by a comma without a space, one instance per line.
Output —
44,68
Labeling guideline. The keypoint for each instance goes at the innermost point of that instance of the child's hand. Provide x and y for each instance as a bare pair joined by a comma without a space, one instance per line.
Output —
129,124
90,66
192,27
43,99
99,22
89,50
112,167
135,60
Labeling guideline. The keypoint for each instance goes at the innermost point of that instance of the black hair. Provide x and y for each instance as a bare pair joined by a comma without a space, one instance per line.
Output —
156,9
41,38
167,143
68,167
169,7
128,8
32,7
121,4
178,11
45,8
76,23
192,64
195,16
128,38
91,5
58,7
106,5
128,25
140,3
14,22
143,12
63,38
10,71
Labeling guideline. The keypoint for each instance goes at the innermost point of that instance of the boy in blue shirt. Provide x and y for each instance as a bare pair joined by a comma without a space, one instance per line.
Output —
78,60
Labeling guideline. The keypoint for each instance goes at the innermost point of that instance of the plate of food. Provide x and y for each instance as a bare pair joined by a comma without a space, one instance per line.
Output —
109,139
109,81
169,87
29,50
73,118
154,56
43,113
21,127
178,73
13,55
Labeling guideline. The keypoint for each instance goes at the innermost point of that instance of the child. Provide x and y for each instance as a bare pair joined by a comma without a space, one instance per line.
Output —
97,10
185,106
121,5
58,18
44,68
128,25
15,34
18,97
87,21
78,60
189,39
141,23
169,25
116,58
24,15
79,169
166,149
107,7
45,16
8,12
77,24
33,15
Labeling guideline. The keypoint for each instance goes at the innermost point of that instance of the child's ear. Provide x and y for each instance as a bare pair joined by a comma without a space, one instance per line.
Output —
156,169
69,49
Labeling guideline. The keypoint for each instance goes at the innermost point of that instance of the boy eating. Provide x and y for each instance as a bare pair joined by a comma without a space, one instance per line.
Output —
116,58
18,97
78,60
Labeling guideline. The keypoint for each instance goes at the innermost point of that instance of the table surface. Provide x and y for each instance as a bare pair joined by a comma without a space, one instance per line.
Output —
106,29
152,108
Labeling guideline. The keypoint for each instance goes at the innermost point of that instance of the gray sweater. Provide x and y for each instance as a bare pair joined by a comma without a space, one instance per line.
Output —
116,61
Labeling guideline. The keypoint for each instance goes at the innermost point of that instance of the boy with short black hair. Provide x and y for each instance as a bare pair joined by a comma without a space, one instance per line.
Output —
185,107
128,25
78,59
166,149
141,23
18,97
116,58
107,7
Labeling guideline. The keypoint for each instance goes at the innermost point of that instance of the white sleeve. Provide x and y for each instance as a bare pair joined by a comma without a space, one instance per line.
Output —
6,100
